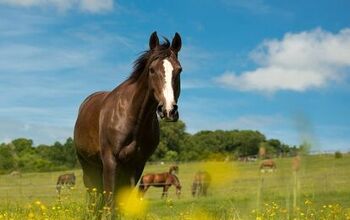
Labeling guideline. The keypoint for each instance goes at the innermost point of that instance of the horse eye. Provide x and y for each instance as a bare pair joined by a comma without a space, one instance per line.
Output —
151,70
179,70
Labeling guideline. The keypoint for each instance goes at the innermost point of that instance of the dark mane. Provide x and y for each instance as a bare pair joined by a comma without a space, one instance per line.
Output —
161,51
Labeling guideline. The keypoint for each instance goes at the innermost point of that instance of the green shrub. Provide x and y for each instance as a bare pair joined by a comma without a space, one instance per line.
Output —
338,155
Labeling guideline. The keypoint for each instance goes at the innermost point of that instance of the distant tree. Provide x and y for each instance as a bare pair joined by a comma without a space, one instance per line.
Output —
69,152
171,156
175,145
7,161
22,145
61,155
276,146
338,155
172,136
220,144
249,142
305,148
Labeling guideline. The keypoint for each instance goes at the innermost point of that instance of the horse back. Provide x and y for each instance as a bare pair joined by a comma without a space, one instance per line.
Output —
155,179
86,130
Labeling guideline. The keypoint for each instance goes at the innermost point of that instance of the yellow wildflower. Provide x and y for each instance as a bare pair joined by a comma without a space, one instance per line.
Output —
31,215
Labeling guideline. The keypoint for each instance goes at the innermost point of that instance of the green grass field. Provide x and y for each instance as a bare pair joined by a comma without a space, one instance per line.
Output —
320,190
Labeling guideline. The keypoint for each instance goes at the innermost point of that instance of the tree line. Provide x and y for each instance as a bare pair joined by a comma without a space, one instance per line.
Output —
175,145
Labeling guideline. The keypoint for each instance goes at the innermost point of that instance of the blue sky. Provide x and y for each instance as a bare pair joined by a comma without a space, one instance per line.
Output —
280,67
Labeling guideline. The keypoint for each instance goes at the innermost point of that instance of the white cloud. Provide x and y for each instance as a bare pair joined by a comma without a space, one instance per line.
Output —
93,6
298,62
96,5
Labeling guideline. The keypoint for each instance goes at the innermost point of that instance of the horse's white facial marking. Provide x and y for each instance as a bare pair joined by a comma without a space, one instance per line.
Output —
168,86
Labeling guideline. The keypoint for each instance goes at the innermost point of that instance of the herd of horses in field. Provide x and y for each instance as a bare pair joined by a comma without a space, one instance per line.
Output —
165,180
200,184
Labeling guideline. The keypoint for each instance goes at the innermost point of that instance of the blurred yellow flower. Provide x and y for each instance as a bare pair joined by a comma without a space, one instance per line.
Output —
202,215
130,202
221,173
31,215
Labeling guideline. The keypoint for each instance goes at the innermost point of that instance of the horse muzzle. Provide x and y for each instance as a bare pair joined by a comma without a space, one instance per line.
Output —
171,115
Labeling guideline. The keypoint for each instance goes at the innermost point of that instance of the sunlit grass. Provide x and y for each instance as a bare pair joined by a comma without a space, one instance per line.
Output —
323,194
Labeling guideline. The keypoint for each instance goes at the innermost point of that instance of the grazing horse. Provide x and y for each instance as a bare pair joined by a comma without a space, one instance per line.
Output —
16,173
65,180
117,131
164,180
201,183
268,164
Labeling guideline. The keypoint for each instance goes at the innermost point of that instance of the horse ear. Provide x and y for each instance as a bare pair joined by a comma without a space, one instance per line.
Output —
153,41
176,43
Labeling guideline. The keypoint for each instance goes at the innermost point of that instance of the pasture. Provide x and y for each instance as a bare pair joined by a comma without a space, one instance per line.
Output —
319,190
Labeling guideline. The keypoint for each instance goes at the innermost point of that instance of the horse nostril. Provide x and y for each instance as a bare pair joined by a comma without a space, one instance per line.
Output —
160,108
174,110
175,107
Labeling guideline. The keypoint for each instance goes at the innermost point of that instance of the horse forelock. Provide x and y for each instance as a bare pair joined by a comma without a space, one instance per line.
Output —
160,52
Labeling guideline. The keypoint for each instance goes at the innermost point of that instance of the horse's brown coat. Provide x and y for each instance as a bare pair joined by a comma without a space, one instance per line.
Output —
65,179
116,132
269,163
164,180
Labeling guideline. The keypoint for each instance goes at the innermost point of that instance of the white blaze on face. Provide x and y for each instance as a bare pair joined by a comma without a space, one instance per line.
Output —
168,91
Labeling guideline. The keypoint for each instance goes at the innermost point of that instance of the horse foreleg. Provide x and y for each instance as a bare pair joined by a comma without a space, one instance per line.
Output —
165,191
109,172
92,174
144,190
205,188
58,189
194,189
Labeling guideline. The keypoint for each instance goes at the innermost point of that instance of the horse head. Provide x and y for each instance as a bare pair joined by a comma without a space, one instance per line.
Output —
174,169
164,71
177,184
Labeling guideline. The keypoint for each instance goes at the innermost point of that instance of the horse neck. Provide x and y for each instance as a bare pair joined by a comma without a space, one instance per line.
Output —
175,181
145,101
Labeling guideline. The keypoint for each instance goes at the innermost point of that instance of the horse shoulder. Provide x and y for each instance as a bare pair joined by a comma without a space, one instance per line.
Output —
86,131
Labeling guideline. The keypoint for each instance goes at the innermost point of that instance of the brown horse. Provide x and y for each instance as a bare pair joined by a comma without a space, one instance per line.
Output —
116,132
65,180
201,183
268,164
164,180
